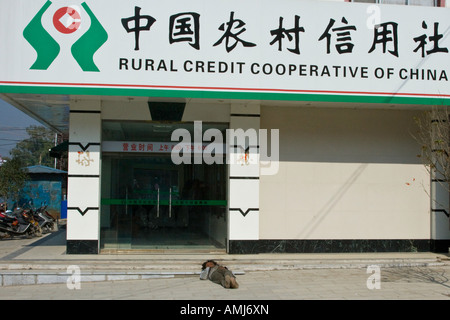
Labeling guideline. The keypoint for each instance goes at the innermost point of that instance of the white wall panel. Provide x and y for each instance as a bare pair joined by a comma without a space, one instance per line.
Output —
344,174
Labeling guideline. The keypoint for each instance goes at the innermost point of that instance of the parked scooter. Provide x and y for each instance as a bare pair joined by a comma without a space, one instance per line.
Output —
44,219
29,216
16,223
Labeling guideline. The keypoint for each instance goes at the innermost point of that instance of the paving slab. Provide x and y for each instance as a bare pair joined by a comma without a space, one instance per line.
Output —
44,260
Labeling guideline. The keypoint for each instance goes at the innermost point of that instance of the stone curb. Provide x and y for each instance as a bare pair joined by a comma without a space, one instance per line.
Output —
194,265
21,279
27,274
14,278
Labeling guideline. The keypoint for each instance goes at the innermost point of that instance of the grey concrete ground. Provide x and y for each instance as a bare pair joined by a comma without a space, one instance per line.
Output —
409,283
39,269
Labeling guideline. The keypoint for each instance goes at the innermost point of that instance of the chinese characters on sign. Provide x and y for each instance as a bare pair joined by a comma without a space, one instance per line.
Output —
84,159
231,25
151,147
243,50
280,33
185,27
136,23
434,38
146,147
343,37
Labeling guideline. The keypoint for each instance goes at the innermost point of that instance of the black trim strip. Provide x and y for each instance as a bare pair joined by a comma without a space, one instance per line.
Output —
83,212
441,210
245,178
242,212
440,245
83,176
439,180
82,247
332,245
85,111
84,148
245,115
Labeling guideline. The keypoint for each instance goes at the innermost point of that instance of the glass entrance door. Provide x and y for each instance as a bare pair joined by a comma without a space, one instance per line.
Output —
155,190
148,202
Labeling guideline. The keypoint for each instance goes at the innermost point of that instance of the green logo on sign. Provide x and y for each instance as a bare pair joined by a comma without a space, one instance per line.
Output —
66,20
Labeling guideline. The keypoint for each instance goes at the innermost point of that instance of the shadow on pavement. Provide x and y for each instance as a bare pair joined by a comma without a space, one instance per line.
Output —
417,274
55,238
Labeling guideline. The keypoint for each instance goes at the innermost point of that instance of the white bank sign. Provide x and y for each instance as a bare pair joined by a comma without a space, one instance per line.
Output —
253,49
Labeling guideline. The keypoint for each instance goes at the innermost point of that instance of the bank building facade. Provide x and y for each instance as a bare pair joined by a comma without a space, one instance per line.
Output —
236,126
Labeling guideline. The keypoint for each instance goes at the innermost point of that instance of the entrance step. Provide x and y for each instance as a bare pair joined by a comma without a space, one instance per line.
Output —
162,251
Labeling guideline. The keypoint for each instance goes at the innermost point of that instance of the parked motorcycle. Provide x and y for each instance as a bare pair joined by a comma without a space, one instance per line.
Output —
44,219
26,220
16,223
29,216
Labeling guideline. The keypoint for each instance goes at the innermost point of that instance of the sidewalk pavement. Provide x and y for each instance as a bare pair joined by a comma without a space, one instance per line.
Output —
44,261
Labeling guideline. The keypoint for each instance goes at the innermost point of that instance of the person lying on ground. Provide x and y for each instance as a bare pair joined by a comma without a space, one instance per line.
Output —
218,274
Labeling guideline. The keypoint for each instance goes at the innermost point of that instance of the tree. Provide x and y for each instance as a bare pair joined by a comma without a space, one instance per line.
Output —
13,177
433,136
34,149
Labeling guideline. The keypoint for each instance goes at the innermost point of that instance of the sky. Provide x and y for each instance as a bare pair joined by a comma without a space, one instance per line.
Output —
12,127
